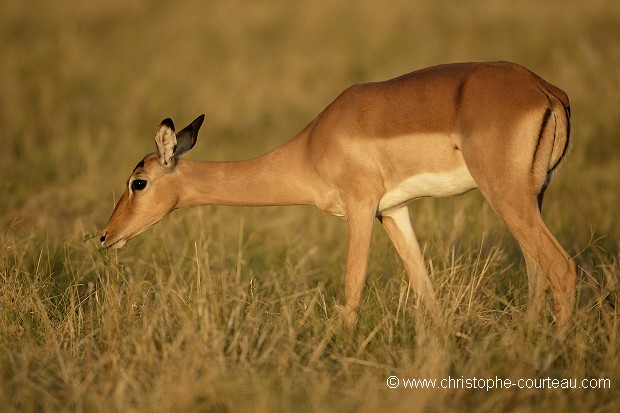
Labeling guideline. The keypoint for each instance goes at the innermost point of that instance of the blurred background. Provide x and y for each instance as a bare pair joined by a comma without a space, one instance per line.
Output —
85,84
83,88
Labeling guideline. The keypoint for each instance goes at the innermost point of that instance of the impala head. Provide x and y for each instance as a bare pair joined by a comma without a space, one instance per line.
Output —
152,189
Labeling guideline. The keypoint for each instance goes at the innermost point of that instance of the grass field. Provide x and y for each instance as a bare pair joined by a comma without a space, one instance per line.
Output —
225,309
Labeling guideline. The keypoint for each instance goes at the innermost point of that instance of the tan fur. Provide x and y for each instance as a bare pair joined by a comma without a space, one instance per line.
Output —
494,126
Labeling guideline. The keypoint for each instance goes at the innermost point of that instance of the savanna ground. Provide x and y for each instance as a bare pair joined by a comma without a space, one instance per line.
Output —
233,309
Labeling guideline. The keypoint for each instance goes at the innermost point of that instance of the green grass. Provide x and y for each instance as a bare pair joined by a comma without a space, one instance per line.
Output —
233,309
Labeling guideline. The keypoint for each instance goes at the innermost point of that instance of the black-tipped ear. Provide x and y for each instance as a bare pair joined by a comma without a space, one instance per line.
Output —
167,122
186,139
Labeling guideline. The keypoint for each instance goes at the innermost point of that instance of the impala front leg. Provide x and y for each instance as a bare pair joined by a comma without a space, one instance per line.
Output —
360,220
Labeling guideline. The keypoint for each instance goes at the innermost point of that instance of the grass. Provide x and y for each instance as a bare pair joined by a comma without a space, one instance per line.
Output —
233,309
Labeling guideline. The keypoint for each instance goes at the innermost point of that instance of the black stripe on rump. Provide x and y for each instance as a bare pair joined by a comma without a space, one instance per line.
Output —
543,125
567,144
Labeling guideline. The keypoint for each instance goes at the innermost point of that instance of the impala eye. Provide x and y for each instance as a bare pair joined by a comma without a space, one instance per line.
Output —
138,185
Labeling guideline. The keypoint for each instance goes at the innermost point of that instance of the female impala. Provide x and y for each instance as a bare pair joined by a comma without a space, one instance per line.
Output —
439,131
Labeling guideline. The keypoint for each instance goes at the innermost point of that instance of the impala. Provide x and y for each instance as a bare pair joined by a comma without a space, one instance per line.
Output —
439,131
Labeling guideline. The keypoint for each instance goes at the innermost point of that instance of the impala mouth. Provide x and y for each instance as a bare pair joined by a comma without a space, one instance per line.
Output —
112,243
122,240
118,244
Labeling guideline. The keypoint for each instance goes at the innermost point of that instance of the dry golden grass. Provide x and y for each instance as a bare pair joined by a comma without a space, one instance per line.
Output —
232,309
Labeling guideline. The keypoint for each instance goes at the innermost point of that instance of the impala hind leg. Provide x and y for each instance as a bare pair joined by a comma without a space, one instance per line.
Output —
398,226
536,279
541,248
537,285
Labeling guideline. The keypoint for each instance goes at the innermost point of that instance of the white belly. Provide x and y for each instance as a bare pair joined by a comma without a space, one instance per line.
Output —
435,184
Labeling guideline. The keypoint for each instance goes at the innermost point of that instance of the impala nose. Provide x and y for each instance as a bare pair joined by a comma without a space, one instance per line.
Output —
102,239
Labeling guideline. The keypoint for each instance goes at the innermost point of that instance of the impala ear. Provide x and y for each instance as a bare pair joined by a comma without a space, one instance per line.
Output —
170,145
166,142
186,139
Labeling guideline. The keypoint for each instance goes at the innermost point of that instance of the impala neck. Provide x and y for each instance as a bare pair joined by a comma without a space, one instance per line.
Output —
276,178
